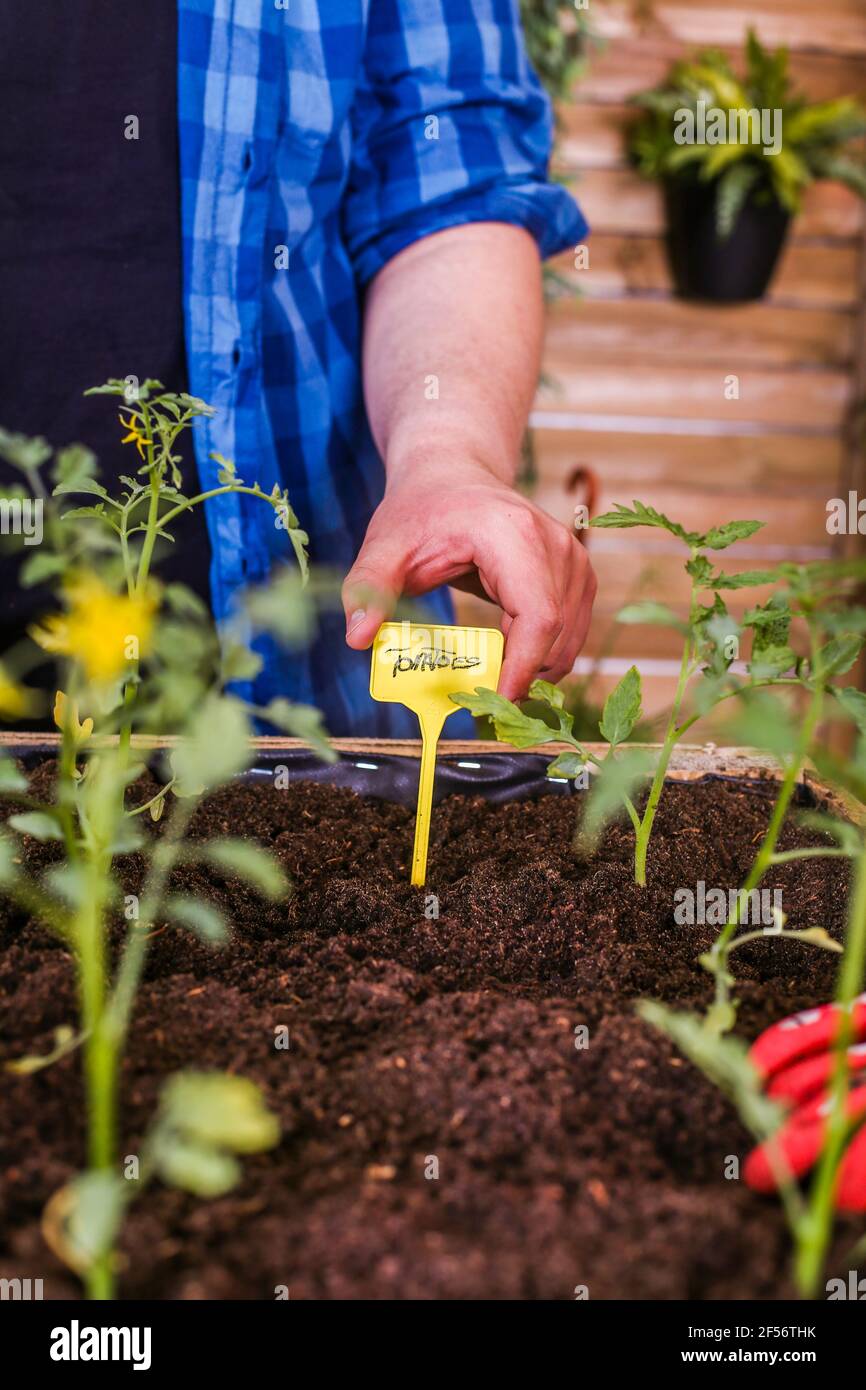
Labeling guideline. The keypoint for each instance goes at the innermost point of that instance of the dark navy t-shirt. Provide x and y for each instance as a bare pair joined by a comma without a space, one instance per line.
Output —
90,242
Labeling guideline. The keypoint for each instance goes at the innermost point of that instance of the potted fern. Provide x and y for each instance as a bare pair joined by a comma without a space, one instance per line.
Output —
734,157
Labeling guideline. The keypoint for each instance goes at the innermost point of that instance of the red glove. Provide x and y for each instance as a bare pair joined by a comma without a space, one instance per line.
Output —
795,1059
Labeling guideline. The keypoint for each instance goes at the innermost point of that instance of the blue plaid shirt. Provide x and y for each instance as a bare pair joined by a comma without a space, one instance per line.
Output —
307,162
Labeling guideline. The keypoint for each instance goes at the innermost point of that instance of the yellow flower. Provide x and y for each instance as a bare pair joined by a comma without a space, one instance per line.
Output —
16,701
101,630
65,709
135,435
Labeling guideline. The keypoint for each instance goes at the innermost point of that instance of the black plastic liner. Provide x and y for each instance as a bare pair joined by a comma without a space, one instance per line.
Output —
498,777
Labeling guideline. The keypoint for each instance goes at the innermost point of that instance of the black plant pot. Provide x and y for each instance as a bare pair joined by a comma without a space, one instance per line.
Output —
730,270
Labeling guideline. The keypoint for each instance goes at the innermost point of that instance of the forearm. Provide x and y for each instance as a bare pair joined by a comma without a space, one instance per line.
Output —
452,347
452,343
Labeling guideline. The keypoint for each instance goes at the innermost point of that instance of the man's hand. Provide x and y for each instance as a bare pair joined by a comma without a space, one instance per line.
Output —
452,350
458,523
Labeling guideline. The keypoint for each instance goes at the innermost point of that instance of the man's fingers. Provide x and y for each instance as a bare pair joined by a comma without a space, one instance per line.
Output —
370,592
470,583
530,638
577,606
548,631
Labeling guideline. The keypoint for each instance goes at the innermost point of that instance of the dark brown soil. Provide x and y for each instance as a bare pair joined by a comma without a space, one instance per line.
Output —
453,1039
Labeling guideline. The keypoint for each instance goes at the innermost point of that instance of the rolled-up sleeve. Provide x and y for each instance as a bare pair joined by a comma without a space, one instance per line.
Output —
450,125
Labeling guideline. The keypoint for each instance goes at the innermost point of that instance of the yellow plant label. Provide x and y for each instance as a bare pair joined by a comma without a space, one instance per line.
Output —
420,666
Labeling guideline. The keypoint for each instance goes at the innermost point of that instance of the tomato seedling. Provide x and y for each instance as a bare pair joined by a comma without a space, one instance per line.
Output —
137,657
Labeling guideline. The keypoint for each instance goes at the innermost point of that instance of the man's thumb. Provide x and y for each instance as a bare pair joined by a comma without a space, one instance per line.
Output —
370,592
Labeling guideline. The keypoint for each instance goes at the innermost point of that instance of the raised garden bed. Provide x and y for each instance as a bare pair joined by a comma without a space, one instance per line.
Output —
419,1042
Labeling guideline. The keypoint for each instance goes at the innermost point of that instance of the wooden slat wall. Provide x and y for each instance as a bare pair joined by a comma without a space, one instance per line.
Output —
635,379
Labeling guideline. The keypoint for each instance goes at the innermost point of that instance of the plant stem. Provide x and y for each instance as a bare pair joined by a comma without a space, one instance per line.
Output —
152,510
125,736
788,856
100,1054
144,559
135,950
66,785
813,1233
766,854
642,837
216,492
738,690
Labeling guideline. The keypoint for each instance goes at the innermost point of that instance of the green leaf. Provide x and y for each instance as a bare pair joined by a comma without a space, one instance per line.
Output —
720,537
770,620
846,835
39,566
622,708
8,867
771,655
657,614
764,722
511,724
700,570
731,193
641,515
724,1060
38,824
841,170
79,513
200,917
746,579
217,748
551,694
94,1207
853,702
566,764
115,387
615,780
282,608
769,662
838,655
193,403
220,1111
127,838
239,663
227,472
24,452
300,721
12,779
67,882
184,602
73,463
287,521
82,484
196,1168
251,863
817,936
714,631
850,619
